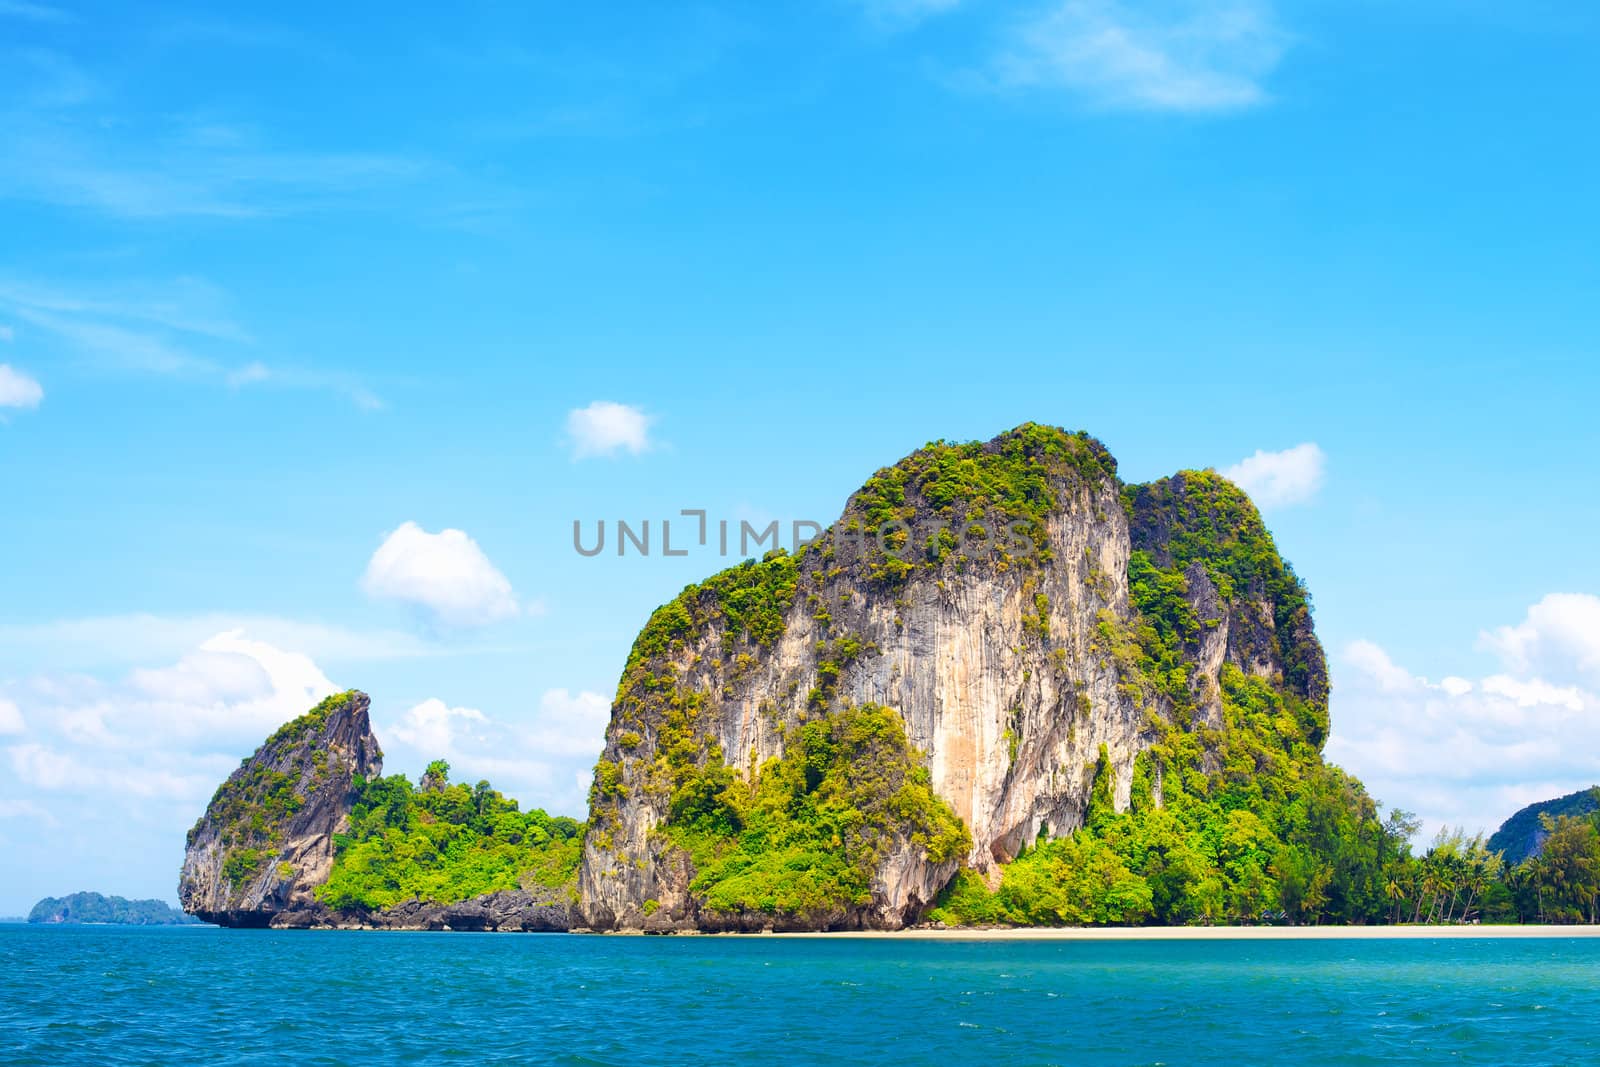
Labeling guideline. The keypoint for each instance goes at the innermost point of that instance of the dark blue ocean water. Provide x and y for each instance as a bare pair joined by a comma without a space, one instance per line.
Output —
200,995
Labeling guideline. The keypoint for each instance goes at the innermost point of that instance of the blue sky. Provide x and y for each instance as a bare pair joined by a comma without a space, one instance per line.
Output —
287,298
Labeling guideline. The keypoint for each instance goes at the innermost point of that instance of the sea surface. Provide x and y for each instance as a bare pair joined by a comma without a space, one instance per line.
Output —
111,995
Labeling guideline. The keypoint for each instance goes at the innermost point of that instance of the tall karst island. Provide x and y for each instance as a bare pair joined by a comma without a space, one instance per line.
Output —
1003,687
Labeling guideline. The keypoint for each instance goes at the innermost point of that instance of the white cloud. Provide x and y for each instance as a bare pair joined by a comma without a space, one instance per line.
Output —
11,718
171,731
446,573
572,724
543,760
1533,692
1375,663
231,690
1168,55
52,770
1560,631
17,390
605,428
1280,479
1460,752
431,726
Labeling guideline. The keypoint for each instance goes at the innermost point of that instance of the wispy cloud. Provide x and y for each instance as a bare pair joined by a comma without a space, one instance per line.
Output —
905,12
182,328
258,374
165,176
1191,56
185,304
17,9
68,144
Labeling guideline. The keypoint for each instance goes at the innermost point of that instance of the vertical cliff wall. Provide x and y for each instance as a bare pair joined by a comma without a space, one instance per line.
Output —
982,592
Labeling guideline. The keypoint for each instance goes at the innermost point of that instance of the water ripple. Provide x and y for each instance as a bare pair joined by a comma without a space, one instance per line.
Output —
123,996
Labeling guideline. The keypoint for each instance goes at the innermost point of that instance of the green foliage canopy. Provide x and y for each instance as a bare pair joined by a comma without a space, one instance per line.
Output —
806,836
444,843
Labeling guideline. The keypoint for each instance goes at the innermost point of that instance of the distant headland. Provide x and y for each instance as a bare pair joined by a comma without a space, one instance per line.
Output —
97,908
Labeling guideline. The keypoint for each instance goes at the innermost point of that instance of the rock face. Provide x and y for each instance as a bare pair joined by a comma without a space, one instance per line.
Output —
979,590
265,841
508,911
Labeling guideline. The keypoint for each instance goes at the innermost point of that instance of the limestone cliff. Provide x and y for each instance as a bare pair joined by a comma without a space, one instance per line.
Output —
982,592
265,841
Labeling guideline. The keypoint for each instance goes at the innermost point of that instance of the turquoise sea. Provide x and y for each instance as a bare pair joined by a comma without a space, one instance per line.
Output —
105,995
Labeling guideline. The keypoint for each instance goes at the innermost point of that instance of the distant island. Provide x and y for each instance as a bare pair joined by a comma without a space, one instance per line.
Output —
113,911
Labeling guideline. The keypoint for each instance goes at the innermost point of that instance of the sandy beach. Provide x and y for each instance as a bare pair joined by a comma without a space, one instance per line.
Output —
1223,933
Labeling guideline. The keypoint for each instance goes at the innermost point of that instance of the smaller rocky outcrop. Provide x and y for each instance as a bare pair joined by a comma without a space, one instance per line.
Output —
265,841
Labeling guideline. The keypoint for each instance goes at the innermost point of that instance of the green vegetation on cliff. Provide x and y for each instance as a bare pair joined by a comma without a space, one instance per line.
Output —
805,837
1008,479
1199,517
992,497
749,601
1318,855
444,843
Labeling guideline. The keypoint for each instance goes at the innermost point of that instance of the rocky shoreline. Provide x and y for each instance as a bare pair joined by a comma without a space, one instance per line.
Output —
508,911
